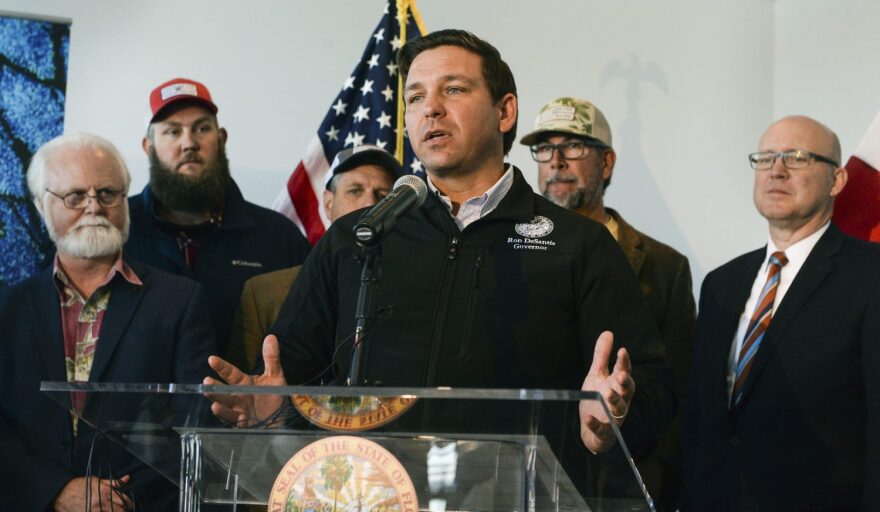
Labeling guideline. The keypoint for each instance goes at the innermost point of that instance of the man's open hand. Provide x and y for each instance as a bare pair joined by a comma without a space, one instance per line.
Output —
245,410
616,387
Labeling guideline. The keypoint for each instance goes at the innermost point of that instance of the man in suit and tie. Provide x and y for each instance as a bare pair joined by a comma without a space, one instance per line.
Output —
787,349
358,177
95,315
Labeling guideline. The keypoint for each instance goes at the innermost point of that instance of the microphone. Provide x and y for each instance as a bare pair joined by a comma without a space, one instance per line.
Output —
408,194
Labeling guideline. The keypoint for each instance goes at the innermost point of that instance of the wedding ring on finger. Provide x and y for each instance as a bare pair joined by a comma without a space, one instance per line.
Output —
625,410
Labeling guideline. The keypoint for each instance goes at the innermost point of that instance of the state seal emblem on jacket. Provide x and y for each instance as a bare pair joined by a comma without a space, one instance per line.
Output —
538,227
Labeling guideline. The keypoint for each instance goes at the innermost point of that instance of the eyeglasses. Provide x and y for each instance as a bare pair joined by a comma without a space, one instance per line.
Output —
78,200
794,159
570,150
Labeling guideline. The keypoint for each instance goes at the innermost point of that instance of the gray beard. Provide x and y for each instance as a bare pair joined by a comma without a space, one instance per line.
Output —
570,201
189,194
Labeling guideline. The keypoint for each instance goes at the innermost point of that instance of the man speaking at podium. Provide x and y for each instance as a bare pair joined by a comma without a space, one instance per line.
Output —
486,285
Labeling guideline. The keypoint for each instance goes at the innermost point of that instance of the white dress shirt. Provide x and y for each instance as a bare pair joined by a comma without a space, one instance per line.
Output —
478,207
797,255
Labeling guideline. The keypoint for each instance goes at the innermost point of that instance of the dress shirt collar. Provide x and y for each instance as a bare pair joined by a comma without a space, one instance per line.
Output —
119,267
478,207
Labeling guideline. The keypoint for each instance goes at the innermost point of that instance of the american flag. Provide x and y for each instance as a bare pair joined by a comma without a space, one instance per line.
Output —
368,110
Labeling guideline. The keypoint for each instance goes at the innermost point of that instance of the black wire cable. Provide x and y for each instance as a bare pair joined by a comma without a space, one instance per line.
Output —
286,410
122,489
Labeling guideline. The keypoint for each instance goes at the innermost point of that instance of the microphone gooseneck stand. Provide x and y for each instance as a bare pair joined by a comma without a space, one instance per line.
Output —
409,192
369,276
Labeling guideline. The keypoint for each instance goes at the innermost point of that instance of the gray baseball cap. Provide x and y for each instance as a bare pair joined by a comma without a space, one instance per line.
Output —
365,154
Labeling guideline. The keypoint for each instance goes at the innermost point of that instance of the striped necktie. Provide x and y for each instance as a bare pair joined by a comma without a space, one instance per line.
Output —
758,324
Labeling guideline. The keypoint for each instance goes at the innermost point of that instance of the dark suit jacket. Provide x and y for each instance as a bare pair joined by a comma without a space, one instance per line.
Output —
805,435
261,301
160,332
665,277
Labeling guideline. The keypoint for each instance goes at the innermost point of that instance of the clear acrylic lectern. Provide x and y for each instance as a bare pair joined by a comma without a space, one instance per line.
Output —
365,449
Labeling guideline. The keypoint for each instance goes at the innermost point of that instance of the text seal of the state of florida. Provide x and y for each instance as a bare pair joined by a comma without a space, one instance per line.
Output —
343,473
351,413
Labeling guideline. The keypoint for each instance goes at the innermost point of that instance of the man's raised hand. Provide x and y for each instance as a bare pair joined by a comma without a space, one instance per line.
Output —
245,410
616,387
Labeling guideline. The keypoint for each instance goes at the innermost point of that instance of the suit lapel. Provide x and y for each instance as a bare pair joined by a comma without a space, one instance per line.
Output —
821,261
124,300
45,307
731,296
630,242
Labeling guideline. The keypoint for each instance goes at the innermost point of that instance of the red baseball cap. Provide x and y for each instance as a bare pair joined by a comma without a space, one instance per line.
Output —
179,89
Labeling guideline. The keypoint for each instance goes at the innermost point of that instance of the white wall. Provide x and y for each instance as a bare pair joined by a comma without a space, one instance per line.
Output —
828,64
687,86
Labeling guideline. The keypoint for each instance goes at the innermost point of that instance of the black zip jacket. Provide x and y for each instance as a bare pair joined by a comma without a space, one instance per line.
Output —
515,300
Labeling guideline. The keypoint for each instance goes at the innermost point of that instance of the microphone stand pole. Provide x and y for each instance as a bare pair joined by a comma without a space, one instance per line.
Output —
369,276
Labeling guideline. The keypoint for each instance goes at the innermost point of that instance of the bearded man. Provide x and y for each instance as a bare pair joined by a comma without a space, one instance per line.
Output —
191,219
571,144
96,315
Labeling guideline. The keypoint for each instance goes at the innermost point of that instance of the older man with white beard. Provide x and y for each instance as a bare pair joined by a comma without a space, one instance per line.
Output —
95,315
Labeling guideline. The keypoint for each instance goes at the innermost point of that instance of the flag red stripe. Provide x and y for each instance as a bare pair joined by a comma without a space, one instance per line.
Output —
303,198
857,208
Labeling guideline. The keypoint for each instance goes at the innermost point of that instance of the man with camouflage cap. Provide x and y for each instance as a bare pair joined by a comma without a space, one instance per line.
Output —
572,144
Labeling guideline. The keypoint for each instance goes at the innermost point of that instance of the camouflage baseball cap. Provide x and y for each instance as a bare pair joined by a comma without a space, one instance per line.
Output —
570,115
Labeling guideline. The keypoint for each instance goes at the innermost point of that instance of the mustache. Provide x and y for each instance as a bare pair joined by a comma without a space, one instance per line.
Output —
556,178
86,222
189,158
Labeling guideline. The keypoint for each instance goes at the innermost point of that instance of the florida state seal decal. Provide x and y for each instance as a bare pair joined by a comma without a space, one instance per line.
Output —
343,473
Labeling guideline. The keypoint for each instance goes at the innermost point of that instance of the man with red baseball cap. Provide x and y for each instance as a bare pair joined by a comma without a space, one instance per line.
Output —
177,90
191,219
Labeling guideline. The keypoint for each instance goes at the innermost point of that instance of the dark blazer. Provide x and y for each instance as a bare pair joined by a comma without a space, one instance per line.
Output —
159,332
665,277
261,301
805,435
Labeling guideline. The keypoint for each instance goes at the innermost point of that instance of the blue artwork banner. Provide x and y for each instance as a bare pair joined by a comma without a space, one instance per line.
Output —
33,77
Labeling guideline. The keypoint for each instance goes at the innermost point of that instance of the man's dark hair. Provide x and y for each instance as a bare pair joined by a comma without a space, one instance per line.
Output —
496,72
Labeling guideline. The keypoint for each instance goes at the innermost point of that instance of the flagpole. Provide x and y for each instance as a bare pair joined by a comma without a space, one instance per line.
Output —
404,7
417,16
